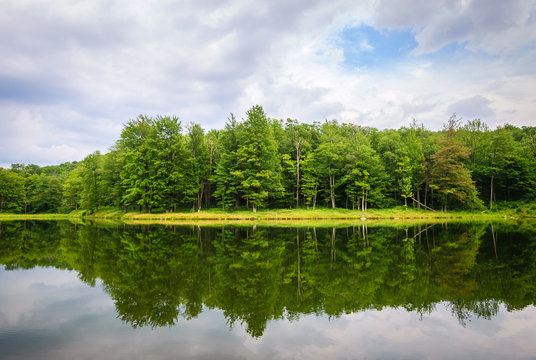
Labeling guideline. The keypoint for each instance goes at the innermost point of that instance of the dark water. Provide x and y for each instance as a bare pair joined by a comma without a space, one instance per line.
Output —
432,291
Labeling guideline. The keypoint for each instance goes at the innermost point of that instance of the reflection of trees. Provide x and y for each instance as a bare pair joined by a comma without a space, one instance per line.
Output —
157,275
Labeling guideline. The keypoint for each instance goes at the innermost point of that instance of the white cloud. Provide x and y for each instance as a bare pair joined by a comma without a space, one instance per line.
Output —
81,70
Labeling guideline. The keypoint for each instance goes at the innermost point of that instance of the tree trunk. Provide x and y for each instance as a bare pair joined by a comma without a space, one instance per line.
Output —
200,198
332,190
254,208
425,193
298,155
366,200
491,193
208,192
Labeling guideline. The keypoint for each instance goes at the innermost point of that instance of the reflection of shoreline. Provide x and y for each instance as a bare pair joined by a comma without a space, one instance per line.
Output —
159,274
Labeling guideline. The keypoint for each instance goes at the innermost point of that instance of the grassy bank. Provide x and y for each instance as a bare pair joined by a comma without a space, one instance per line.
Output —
7,217
322,215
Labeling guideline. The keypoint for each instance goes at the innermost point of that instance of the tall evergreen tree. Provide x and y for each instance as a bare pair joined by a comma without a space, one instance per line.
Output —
226,174
258,163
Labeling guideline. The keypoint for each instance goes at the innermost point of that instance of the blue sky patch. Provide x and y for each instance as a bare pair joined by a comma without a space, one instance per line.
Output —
364,46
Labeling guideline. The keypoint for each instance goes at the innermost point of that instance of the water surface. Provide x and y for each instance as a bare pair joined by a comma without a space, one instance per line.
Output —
430,291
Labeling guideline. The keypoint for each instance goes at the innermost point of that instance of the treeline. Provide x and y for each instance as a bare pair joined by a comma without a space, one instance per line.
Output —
157,165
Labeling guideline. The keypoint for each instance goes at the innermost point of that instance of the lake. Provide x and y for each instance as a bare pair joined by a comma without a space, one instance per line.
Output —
434,291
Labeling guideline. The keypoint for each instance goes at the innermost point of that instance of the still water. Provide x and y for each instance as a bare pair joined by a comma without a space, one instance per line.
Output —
435,291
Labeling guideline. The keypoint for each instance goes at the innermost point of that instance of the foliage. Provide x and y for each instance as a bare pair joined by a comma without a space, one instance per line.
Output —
258,162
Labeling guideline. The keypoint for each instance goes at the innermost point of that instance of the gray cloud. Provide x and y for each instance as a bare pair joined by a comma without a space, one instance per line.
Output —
72,73
493,26
473,107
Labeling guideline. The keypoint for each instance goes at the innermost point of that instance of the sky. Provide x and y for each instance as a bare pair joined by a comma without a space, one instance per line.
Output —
72,73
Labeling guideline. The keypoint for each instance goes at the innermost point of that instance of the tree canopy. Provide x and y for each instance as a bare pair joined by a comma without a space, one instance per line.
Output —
160,165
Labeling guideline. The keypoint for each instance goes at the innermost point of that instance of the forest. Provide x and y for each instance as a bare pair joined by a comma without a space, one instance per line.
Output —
159,165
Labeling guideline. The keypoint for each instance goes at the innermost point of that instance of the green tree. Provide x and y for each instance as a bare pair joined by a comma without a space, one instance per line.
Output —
450,176
167,159
309,179
48,194
197,167
11,191
136,162
226,174
72,189
330,156
111,178
364,179
259,167
92,189
405,172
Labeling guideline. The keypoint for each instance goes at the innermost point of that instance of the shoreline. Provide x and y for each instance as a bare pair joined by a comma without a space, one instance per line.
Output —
280,216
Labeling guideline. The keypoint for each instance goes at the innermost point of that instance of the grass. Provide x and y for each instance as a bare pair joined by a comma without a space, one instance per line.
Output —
285,216
8,216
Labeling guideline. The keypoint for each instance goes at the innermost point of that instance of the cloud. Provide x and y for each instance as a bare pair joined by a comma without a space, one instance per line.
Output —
495,27
472,108
78,71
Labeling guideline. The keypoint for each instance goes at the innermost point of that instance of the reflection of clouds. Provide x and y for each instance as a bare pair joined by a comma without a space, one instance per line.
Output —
22,288
50,314
519,327
397,333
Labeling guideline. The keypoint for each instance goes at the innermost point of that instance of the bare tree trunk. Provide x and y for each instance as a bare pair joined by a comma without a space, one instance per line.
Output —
332,190
200,198
299,145
426,207
425,192
208,192
491,193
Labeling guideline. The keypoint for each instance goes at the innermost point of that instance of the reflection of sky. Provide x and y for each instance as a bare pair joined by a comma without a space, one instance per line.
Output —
47,313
